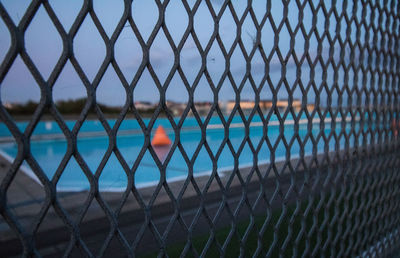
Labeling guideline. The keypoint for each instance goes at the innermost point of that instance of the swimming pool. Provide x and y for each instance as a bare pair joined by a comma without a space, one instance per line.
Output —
49,151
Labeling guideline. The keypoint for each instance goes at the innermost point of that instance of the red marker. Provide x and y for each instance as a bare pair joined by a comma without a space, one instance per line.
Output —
160,138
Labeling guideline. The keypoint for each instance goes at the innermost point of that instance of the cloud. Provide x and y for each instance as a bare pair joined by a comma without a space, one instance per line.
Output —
189,44
160,57
275,65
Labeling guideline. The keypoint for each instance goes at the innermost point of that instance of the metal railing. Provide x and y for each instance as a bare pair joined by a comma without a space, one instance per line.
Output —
339,201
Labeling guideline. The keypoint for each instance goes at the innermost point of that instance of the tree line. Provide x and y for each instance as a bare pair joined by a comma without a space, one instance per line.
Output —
70,107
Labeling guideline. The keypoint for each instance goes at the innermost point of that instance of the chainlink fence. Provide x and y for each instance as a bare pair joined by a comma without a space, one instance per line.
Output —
337,195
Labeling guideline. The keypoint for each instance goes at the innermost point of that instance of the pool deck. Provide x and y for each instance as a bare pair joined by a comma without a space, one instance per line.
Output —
25,197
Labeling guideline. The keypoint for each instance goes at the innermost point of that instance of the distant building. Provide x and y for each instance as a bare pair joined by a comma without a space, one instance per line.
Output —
8,105
246,104
263,104
144,105
203,108
310,107
176,108
283,104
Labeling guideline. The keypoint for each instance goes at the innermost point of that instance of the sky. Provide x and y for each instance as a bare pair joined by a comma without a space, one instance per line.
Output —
44,46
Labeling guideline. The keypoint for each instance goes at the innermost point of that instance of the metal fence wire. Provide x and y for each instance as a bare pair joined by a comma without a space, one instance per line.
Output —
340,200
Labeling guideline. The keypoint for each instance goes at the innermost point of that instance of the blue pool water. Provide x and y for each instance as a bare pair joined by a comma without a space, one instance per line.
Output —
49,153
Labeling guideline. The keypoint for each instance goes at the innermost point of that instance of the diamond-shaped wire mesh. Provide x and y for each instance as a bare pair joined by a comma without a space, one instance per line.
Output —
330,186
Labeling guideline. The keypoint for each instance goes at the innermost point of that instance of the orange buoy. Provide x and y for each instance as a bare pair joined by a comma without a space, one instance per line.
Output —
160,138
394,127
